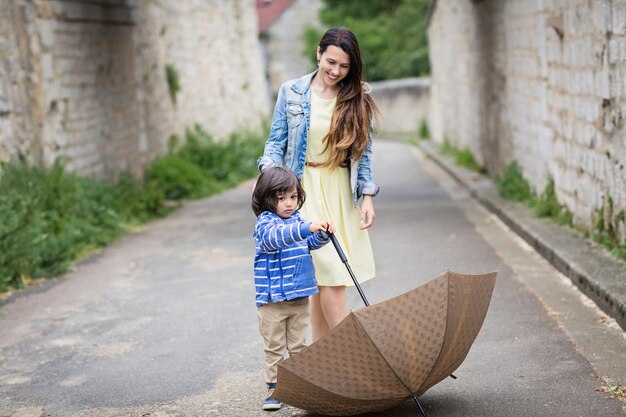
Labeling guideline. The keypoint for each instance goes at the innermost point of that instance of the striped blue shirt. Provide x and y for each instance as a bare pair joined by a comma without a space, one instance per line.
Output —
283,268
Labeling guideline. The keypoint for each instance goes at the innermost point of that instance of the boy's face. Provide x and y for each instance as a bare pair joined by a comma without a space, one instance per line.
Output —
286,203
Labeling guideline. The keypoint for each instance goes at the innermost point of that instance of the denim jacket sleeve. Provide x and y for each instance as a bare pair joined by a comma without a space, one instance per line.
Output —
276,144
365,185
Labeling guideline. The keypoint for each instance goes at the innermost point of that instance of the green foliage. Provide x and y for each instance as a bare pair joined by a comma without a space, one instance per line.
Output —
202,166
176,177
50,217
173,81
463,157
310,38
604,229
446,148
512,185
229,161
547,205
391,34
424,132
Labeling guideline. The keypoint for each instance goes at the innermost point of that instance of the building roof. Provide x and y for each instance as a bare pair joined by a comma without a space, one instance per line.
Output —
270,10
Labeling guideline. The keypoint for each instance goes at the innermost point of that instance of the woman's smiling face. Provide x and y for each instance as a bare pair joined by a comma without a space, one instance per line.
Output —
334,65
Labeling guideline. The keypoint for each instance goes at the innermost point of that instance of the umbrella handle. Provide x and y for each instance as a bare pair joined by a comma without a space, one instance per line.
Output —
344,259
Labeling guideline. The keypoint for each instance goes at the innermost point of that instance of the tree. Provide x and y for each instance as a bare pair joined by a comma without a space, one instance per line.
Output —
391,34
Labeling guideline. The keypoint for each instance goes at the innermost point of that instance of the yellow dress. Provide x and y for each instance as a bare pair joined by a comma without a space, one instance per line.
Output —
329,197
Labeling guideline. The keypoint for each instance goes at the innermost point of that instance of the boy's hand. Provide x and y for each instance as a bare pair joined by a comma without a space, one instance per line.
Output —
323,225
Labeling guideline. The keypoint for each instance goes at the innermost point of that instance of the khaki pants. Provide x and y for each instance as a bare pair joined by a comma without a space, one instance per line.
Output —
283,327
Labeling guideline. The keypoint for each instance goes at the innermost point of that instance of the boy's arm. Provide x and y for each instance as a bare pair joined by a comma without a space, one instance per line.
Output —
316,240
274,236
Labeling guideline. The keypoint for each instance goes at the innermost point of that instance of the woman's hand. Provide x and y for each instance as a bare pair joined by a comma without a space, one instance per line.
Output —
367,212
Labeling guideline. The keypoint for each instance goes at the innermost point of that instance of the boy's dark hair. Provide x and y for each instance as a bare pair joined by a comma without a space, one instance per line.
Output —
272,182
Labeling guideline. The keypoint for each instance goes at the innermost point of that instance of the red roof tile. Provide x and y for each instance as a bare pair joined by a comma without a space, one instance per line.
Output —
270,10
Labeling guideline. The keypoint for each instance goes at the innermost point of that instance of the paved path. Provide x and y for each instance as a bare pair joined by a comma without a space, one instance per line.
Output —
163,322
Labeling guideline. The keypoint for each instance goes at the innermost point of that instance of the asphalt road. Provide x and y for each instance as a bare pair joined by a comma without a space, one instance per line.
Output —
163,322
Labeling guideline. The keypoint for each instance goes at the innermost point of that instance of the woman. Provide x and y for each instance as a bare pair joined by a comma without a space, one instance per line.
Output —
322,130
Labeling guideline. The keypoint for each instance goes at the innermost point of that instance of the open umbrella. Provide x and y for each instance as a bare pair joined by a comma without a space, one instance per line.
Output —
382,355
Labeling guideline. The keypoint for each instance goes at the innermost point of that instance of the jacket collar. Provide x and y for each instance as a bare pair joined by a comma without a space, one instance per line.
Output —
302,85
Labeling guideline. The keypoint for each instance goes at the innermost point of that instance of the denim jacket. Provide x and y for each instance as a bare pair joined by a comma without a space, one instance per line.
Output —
287,141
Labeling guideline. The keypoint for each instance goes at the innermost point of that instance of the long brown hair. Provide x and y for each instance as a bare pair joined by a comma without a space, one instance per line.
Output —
349,131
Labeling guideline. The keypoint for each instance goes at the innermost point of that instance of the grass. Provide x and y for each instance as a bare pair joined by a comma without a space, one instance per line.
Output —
463,157
50,217
512,185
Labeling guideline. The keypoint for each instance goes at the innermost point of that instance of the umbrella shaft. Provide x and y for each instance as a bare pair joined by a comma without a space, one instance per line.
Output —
344,259
356,283
419,406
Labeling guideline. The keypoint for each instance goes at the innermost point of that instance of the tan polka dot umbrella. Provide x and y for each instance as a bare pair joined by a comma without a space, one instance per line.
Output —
385,354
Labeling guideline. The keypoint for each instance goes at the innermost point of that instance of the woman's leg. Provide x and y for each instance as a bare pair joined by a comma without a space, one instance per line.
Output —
333,308
319,327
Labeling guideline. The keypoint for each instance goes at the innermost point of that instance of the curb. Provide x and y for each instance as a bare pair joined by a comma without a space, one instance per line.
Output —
595,272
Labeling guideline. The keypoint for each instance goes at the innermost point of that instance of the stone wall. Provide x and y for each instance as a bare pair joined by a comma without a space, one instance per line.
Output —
403,104
85,80
541,82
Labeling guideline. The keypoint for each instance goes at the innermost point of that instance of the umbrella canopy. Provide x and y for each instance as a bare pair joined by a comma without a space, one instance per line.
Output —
382,355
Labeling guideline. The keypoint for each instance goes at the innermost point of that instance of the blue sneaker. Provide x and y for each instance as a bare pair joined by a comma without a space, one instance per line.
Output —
271,404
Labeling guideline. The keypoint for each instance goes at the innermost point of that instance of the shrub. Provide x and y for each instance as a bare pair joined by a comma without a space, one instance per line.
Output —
203,166
50,217
176,177
512,185
547,205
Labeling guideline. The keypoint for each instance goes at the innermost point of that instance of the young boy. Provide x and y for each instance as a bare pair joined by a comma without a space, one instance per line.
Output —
284,275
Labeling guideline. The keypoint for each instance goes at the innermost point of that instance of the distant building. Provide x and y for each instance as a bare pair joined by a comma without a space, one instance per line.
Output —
281,23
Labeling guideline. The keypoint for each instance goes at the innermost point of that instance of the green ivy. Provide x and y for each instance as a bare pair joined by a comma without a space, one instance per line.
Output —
173,81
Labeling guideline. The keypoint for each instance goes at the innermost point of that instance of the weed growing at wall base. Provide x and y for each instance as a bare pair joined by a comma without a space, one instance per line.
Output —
463,157
202,166
604,229
512,185
50,217
424,132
